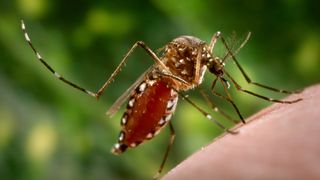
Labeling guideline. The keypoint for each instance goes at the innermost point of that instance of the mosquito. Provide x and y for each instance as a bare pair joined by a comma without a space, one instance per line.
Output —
153,98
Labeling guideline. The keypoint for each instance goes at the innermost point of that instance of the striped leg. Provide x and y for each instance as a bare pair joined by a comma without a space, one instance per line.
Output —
247,78
213,41
203,112
228,98
216,109
109,80
239,88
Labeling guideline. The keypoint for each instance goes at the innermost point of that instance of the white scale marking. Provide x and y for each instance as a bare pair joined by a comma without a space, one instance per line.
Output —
202,71
121,137
124,120
131,102
150,135
23,26
27,37
57,75
184,72
91,93
38,56
170,103
142,87
150,82
161,122
228,84
168,117
117,146
173,93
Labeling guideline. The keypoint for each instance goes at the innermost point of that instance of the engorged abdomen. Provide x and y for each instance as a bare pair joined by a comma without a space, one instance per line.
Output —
147,112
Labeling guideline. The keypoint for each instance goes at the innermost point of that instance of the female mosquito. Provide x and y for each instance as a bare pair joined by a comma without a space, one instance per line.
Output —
152,99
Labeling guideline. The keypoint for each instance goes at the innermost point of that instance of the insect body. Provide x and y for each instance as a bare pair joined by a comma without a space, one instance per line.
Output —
152,99
153,102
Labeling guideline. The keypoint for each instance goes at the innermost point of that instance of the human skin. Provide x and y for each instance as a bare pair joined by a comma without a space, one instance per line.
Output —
279,142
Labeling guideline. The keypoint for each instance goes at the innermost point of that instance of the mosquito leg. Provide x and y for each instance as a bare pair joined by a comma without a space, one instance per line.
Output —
242,44
238,87
240,47
197,66
214,83
122,63
165,157
207,115
216,109
245,74
213,41
171,76
110,79
229,99
57,75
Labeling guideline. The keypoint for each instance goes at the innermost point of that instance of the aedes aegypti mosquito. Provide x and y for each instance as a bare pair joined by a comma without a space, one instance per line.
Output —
152,99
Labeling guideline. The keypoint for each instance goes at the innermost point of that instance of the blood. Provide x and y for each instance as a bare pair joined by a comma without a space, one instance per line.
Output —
147,111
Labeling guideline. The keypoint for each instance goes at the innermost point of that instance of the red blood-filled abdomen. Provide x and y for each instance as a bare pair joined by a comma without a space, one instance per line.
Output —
149,108
146,113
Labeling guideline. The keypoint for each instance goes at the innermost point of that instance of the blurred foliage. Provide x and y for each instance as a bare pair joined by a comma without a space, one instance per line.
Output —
51,131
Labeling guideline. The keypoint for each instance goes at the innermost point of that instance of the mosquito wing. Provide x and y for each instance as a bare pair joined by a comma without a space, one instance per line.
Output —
118,103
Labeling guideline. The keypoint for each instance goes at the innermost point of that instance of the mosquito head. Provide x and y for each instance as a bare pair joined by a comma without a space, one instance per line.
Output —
215,66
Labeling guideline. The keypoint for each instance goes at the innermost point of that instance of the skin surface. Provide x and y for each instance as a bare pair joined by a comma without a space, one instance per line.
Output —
279,142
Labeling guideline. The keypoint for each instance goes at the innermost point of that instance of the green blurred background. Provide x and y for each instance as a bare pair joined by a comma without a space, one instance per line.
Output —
51,131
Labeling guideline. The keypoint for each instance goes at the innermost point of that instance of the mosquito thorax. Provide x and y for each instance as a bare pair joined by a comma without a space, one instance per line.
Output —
189,41
187,57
